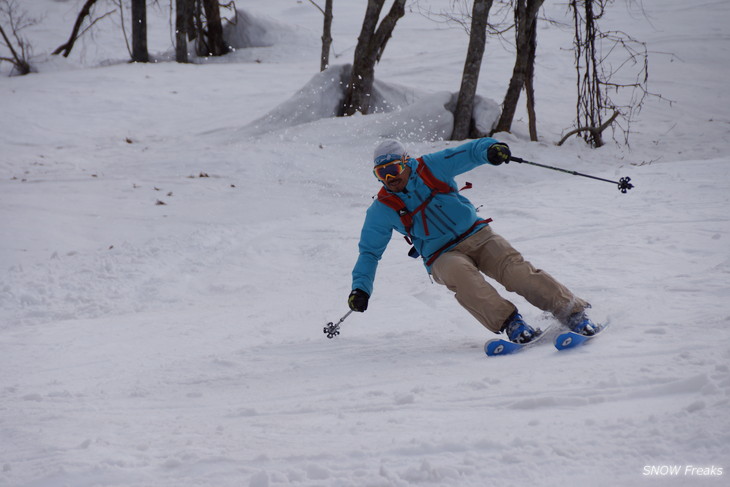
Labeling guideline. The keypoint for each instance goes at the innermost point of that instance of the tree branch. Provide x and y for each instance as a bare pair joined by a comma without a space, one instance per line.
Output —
16,24
385,30
66,48
595,131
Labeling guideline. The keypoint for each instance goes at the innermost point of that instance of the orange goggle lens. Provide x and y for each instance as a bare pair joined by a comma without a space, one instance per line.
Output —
389,170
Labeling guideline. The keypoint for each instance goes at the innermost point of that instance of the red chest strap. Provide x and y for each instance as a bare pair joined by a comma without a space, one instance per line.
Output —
431,181
393,201
437,186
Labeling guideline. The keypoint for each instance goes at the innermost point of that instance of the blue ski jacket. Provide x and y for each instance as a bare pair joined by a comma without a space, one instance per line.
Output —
449,215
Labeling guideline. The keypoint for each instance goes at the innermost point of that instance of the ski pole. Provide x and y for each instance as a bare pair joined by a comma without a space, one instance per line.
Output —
624,184
333,329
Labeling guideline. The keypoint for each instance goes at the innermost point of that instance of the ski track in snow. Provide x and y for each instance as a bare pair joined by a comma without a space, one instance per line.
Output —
180,344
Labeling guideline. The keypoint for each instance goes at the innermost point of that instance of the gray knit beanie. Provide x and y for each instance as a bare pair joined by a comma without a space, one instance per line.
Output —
389,150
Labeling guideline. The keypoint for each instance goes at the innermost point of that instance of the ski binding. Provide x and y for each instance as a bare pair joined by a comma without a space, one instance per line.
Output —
570,339
500,346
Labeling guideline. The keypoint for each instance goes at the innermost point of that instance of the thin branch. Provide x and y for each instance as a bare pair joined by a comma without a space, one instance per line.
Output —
9,45
318,7
595,131
66,48
124,30
8,8
88,27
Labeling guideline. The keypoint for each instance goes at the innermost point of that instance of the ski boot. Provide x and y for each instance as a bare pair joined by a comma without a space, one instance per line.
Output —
517,330
580,323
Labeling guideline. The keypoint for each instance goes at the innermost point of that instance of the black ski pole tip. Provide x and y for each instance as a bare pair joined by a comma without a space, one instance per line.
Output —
624,184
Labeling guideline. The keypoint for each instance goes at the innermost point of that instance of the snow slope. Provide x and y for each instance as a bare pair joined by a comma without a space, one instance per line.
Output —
166,273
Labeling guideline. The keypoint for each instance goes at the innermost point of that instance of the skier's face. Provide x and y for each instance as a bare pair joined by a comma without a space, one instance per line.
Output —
394,174
396,184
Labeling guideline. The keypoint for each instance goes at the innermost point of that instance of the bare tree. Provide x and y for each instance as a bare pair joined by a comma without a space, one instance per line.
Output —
591,101
206,28
214,42
15,20
326,36
598,70
523,73
326,33
370,46
530,82
139,31
470,78
182,16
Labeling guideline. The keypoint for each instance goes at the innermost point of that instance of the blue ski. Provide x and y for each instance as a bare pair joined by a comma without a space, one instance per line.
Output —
499,346
571,339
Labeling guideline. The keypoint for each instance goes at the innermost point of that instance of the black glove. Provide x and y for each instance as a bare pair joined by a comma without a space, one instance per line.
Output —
358,300
498,153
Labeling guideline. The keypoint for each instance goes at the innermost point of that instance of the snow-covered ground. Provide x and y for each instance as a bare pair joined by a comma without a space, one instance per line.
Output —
180,344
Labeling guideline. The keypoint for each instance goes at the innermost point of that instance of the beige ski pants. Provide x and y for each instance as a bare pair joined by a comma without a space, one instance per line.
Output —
461,270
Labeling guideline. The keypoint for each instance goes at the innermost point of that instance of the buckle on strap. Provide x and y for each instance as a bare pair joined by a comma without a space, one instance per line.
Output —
458,239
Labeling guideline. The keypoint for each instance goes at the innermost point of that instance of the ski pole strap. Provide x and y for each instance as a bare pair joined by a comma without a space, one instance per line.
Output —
458,239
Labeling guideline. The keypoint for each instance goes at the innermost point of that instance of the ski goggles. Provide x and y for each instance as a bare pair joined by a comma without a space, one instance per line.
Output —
389,170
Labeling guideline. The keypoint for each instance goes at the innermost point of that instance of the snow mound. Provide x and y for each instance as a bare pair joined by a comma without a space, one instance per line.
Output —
248,30
486,113
397,110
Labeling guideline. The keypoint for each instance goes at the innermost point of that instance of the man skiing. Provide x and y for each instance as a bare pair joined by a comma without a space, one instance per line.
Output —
419,199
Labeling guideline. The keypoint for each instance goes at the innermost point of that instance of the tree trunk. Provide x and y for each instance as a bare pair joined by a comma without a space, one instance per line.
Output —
206,28
139,31
216,44
525,23
529,82
326,36
370,46
470,78
195,22
182,13
363,66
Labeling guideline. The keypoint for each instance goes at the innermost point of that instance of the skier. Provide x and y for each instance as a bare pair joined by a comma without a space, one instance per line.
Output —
419,200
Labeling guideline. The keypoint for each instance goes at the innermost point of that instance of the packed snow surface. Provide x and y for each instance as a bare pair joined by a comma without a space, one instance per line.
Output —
172,244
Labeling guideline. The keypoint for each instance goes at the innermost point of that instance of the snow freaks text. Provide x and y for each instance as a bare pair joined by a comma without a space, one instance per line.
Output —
682,470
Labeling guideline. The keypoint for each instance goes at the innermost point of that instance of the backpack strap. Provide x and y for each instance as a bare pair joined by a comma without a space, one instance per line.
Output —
437,187
431,181
393,201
